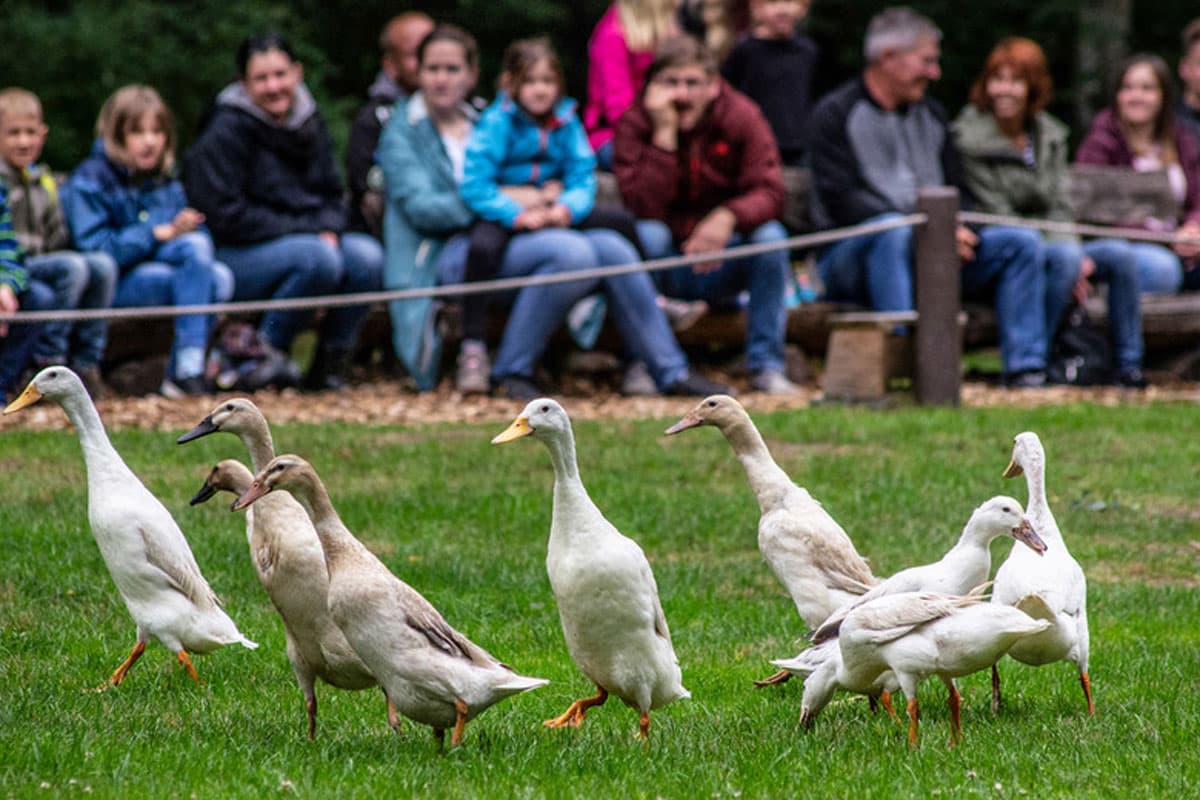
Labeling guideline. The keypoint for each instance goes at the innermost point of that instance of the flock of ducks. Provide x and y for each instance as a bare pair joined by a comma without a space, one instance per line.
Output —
353,624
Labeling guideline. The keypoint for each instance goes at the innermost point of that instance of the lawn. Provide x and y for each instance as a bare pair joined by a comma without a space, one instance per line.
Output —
466,524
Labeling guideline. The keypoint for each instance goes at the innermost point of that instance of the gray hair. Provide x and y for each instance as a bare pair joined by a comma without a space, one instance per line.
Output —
897,28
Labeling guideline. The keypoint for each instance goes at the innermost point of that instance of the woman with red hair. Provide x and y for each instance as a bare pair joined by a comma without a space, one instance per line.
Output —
1015,158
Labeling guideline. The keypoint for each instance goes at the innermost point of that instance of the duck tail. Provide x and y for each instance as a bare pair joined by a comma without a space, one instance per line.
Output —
1035,606
246,643
515,684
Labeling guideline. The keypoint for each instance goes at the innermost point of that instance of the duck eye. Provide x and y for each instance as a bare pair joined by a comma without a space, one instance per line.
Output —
229,407
712,403
545,409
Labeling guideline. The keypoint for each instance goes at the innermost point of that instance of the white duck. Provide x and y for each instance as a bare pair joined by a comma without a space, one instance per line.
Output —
1052,588
143,548
607,598
287,557
431,673
807,550
915,635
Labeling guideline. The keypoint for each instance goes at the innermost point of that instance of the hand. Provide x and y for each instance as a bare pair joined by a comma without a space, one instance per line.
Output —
187,220
551,191
8,304
524,196
711,233
659,102
965,241
558,216
1083,287
531,219
1188,250
330,238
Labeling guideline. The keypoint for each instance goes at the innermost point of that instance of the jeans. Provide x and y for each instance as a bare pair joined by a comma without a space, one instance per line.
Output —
538,310
876,270
304,265
1159,269
766,276
1116,265
16,349
182,273
78,280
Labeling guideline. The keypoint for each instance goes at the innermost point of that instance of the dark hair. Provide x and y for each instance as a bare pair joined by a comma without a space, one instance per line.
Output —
1026,58
521,56
445,32
680,51
265,42
1190,35
1164,123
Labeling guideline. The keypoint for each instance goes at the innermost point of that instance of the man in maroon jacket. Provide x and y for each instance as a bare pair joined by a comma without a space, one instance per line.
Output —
697,163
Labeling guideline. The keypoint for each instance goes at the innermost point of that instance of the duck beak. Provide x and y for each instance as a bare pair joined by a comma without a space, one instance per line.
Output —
519,428
1012,470
205,427
256,490
27,398
690,420
1025,534
206,492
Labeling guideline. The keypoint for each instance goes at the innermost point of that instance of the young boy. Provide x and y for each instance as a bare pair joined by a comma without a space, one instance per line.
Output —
774,67
78,280
17,292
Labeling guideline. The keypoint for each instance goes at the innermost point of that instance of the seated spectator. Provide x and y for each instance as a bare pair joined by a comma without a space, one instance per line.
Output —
18,292
397,79
876,141
774,67
78,280
263,172
124,200
689,116
1014,156
619,52
1138,131
422,153
1187,111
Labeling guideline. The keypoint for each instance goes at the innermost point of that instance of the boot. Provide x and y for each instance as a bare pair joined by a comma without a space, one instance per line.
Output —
328,370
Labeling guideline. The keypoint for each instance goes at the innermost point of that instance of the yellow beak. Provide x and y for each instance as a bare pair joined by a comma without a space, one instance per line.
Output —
519,428
1013,470
27,398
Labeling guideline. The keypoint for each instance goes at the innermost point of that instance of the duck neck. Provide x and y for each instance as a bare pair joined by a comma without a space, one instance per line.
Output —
562,457
768,481
336,540
93,439
1037,506
258,442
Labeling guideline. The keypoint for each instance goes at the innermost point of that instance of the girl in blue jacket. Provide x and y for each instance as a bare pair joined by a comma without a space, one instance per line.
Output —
123,200
528,166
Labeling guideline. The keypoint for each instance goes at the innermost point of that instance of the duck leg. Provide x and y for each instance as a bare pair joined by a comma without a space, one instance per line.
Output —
996,689
460,722
912,721
310,706
573,716
885,700
955,702
392,716
644,728
440,735
1086,683
783,676
119,673
182,658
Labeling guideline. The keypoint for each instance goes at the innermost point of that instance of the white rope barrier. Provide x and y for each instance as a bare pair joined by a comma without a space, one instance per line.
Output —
459,289
1076,228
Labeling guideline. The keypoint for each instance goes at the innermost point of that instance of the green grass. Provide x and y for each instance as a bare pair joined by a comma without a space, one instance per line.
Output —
466,523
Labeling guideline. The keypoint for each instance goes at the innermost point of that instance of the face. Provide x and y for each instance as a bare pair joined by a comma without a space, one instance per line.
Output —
1140,99
21,139
1008,94
400,60
444,76
910,72
778,18
145,141
271,79
692,90
538,91
1189,70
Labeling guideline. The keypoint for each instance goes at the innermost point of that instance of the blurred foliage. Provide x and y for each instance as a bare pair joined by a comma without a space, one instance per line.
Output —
75,53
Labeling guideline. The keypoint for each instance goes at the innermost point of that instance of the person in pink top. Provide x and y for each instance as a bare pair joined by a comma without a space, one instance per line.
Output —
619,53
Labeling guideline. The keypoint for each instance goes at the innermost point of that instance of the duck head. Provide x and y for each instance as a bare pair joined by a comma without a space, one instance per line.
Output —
1027,453
1003,516
540,417
720,410
226,476
54,382
232,416
286,471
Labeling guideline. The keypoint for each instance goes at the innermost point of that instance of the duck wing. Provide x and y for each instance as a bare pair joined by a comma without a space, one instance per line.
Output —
889,618
179,568
419,615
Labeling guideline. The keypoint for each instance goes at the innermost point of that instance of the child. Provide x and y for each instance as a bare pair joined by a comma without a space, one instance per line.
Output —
78,280
774,68
528,166
124,201
17,292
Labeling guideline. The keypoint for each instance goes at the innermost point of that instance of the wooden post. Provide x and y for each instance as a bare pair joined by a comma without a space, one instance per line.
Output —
938,294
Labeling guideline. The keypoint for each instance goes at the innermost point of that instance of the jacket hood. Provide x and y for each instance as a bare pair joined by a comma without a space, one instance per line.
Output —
385,88
977,134
415,109
564,110
304,106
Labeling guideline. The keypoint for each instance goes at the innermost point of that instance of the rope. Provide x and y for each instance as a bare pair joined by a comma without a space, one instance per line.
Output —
1076,228
459,289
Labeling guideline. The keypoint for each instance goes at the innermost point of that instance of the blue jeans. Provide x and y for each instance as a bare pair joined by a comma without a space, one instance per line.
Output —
766,277
873,270
182,273
16,349
303,265
1159,269
78,280
1116,265
538,310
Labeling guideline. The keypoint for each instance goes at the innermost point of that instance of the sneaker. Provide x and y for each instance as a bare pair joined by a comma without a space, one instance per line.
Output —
1027,379
692,385
92,381
772,381
176,388
637,381
682,314
516,387
473,369
1132,379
